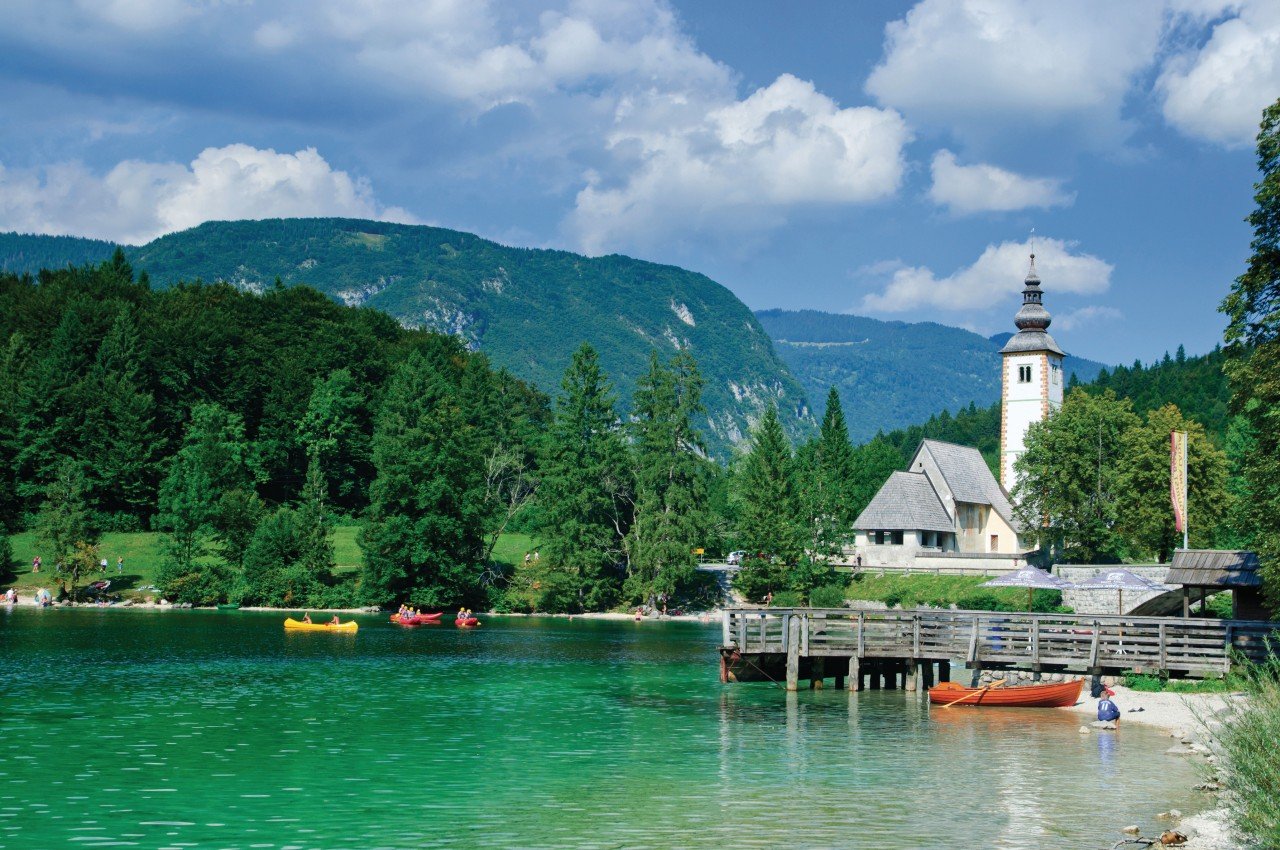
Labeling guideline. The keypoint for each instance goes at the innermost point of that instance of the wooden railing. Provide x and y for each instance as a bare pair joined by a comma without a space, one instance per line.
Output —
1195,647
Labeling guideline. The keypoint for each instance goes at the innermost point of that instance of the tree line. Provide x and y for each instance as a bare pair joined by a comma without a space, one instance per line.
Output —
242,426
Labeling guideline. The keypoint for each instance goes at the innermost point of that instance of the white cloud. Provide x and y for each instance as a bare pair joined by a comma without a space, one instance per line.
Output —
981,66
136,201
1085,317
1217,93
991,281
740,164
985,188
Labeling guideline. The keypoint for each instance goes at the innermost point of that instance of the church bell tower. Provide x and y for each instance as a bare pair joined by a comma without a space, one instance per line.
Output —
1031,385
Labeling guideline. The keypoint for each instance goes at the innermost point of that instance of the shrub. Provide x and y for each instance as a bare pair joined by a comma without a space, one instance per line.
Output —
894,598
1247,746
981,601
556,592
787,599
827,596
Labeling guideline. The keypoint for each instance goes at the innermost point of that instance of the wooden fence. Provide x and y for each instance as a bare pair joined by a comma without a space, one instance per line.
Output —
997,640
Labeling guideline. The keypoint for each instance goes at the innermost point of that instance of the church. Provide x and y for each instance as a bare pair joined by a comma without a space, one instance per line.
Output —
947,512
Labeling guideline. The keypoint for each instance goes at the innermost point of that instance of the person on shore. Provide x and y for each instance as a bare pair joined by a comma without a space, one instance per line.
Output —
306,618
1108,712
120,565
35,564
103,565
10,596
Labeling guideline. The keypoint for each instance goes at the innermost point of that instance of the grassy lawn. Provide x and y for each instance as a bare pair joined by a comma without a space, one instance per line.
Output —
938,591
142,554
512,547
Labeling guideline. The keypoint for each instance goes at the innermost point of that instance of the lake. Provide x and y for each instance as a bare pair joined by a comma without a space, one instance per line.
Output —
197,729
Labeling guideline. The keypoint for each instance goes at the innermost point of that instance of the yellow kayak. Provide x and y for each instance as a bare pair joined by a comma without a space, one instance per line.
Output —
297,625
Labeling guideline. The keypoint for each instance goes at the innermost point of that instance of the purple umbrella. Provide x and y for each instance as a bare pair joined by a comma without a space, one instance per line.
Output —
1120,580
1032,579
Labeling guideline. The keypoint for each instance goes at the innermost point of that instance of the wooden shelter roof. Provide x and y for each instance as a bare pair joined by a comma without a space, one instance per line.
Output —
1214,568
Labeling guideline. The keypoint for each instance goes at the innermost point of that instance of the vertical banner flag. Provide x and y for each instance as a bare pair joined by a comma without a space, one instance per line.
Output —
1178,478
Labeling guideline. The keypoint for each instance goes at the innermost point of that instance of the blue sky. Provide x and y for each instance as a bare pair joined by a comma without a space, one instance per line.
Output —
887,159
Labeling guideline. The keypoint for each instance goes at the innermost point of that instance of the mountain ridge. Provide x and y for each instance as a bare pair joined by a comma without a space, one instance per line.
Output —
891,374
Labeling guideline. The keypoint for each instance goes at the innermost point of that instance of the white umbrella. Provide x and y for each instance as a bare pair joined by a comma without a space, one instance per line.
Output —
1032,579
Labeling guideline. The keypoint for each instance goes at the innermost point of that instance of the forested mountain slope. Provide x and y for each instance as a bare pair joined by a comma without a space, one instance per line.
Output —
891,374
528,310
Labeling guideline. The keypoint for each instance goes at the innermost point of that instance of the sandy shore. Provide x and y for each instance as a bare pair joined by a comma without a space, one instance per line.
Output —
1182,717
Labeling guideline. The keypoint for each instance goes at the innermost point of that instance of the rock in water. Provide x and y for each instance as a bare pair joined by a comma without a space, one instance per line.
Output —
1172,838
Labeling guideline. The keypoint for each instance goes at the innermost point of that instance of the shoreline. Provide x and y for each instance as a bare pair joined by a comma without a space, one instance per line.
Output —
1180,717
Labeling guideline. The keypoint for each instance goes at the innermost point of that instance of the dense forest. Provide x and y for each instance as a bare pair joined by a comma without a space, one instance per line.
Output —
241,425
526,309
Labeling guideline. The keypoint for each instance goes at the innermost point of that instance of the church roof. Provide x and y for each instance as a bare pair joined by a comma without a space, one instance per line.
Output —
968,477
1033,320
906,501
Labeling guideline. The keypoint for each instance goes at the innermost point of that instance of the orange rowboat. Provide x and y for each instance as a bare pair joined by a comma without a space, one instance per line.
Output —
1056,695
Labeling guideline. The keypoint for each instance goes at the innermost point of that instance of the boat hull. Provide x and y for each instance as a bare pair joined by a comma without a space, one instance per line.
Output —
1055,695
292,625
420,620
468,623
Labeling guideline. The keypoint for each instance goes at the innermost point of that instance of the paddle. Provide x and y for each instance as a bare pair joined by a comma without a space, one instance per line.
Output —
976,693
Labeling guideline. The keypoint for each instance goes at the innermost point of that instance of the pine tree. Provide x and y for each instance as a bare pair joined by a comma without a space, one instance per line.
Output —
333,431
769,525
49,423
315,525
120,444
64,521
826,468
670,473
1253,351
586,493
424,537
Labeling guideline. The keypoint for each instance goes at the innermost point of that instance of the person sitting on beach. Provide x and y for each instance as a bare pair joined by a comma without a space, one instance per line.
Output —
1107,710
306,618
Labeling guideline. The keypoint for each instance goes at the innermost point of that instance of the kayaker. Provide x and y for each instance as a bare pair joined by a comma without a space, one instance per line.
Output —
306,618
1107,710
335,621
462,614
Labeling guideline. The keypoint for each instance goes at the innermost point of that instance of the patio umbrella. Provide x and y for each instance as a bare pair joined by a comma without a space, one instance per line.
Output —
1032,579
1120,580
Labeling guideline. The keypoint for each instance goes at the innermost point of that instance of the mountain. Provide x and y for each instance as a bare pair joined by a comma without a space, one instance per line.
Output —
892,374
526,309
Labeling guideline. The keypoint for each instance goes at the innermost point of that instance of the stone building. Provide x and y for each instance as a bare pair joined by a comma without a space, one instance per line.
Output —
946,512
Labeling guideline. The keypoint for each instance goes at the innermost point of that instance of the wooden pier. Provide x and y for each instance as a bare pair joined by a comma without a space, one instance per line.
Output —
882,649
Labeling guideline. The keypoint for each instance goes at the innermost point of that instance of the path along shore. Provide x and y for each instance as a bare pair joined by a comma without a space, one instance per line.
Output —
1183,717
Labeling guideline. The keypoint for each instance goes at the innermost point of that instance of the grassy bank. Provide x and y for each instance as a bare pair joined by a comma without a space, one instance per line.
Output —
1247,749
908,591
142,555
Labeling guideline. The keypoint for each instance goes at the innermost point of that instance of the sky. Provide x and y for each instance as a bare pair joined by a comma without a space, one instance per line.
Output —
892,159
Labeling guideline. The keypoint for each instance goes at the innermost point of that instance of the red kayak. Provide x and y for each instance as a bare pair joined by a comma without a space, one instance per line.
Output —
418,620
468,623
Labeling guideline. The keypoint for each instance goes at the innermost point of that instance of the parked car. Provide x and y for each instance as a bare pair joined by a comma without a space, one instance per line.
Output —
735,558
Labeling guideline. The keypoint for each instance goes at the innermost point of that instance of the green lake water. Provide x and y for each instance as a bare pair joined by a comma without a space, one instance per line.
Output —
219,730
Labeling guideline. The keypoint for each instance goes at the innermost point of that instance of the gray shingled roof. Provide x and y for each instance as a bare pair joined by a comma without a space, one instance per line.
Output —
1029,340
969,478
1214,568
906,501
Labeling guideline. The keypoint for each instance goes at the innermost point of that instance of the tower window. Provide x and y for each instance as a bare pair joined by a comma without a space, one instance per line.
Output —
1024,374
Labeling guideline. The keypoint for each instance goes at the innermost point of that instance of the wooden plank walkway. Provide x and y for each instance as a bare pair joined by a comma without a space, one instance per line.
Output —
760,638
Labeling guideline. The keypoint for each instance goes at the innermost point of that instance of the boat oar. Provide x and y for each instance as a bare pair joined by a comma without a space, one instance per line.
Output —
976,693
